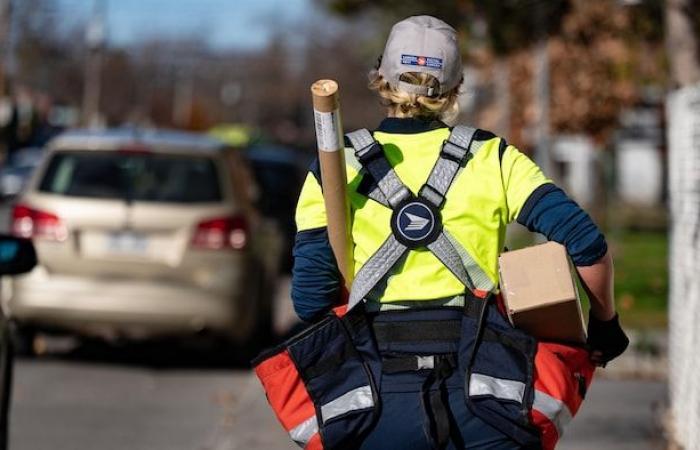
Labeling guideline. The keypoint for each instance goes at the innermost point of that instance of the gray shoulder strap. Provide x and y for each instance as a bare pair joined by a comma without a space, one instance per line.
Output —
371,155
454,153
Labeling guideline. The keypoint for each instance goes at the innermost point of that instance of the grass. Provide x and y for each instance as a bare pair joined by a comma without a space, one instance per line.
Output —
641,277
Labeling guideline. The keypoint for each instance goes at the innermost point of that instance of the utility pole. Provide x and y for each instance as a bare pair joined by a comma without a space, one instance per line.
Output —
502,84
6,64
94,39
6,75
184,96
542,92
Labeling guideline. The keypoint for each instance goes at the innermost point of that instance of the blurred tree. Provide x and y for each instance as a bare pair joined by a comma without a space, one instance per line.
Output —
120,78
510,22
46,54
601,53
602,58
683,22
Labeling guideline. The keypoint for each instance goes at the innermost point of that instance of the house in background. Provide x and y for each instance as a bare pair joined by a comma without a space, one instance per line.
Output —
573,165
639,158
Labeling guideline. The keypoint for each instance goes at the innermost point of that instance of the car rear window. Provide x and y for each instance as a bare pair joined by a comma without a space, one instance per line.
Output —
133,177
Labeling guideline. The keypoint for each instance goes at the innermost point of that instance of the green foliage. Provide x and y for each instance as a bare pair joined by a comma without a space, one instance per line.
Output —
511,24
647,20
641,277
514,24
451,11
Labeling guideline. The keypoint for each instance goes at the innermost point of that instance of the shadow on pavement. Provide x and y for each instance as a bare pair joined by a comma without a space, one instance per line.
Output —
162,354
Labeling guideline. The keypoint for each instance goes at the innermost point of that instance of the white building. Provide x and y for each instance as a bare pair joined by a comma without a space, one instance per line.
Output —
572,165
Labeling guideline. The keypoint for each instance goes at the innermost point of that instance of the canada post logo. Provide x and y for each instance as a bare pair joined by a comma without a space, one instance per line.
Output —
425,61
415,221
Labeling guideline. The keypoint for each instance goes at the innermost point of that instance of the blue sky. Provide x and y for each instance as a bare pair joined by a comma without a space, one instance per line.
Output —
223,23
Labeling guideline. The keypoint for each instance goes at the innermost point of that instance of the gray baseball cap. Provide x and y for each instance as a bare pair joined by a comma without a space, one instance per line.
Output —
422,44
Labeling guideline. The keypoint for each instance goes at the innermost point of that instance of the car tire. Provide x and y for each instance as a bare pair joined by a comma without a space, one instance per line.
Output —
263,332
22,338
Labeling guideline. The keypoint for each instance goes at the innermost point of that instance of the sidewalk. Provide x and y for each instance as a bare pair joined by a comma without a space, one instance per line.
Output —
618,415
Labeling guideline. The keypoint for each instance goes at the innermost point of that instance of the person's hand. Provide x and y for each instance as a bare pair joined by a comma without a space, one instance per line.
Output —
606,339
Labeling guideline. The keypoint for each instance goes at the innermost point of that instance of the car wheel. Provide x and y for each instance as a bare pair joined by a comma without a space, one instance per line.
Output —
263,332
22,338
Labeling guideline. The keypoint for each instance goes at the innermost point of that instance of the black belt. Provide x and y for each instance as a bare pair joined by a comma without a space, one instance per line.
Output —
418,331
426,330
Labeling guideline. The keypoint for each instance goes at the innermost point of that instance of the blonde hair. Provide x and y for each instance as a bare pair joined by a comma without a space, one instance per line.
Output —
404,104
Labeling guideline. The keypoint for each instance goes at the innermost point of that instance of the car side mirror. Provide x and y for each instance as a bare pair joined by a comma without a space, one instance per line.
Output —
17,255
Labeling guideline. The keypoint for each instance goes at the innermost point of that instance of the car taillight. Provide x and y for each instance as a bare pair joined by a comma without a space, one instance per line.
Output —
221,233
32,223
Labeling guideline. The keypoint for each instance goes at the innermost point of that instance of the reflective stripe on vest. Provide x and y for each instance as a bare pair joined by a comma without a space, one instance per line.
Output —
354,400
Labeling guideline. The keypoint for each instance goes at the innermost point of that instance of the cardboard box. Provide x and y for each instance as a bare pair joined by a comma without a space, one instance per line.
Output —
538,287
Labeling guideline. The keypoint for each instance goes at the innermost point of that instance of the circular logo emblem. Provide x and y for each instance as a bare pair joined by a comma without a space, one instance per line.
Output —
415,221
421,61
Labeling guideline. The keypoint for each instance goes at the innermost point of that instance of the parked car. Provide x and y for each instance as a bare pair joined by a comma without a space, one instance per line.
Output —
18,169
279,172
143,234
16,256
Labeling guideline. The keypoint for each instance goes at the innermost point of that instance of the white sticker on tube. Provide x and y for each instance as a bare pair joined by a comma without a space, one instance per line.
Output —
328,134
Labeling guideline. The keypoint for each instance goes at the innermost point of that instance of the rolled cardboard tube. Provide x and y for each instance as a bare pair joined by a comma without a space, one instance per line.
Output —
331,155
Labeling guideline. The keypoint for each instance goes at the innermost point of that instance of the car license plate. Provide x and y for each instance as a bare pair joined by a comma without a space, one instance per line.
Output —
127,242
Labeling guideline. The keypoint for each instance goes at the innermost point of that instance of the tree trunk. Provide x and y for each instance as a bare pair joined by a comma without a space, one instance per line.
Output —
682,43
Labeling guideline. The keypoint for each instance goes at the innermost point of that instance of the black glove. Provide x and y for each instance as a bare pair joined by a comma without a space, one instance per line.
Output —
606,337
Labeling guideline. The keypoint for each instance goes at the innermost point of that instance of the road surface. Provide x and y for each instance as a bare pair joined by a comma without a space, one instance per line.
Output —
165,397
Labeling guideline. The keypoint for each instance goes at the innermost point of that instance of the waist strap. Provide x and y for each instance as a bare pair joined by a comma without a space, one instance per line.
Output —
412,363
418,331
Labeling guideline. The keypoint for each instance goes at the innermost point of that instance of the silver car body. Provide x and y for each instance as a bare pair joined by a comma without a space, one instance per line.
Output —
143,267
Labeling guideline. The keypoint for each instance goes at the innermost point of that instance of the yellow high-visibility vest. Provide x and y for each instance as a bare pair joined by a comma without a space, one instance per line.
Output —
487,194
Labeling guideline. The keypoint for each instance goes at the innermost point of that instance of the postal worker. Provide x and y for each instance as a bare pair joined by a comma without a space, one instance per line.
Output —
429,206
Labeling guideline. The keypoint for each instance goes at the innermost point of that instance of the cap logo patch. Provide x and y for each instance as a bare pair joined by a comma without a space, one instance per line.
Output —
425,61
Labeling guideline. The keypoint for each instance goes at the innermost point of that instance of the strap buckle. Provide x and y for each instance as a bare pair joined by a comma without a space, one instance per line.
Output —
442,363
398,197
454,152
369,153
425,362
432,195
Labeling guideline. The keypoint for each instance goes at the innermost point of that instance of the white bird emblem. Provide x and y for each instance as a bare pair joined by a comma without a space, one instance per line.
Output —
416,223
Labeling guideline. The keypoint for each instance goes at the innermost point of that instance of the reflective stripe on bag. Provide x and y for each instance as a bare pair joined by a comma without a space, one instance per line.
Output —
500,388
354,400
562,375
303,433
321,383
553,410
289,399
